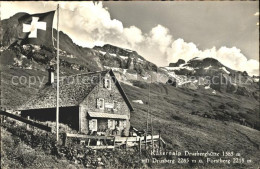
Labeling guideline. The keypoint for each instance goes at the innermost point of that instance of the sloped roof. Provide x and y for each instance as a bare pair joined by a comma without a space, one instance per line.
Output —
107,115
73,90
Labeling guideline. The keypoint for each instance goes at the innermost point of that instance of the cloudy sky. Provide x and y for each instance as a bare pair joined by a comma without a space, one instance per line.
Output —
162,32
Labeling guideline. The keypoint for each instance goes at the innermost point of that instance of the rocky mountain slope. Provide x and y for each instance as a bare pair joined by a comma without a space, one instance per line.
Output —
128,64
211,74
116,57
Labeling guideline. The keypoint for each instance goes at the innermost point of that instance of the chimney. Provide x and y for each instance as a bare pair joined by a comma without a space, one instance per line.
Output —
51,71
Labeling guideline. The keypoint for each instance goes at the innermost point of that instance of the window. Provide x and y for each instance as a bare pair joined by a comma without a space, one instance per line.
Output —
93,125
100,103
115,106
111,124
107,84
122,124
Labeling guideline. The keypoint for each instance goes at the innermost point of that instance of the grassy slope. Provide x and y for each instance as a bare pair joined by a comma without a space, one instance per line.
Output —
16,154
12,94
171,108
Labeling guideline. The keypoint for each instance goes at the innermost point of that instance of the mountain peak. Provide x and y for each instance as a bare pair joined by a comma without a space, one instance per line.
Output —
179,62
115,50
204,62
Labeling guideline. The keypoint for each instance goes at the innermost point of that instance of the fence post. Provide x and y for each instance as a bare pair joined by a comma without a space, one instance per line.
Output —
126,143
88,141
159,140
27,125
114,141
140,146
65,139
145,136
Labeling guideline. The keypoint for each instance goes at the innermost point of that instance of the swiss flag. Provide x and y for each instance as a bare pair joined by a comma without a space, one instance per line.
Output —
36,29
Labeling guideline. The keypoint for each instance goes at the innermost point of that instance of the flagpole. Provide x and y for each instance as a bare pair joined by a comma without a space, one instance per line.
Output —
150,112
58,92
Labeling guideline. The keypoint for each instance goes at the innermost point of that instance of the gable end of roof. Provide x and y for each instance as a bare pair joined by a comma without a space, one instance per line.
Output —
121,90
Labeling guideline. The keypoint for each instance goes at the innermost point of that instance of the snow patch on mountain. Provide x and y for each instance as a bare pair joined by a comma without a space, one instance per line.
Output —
256,79
225,70
113,68
123,57
103,53
140,60
179,68
128,50
206,68
198,58
138,101
207,87
112,54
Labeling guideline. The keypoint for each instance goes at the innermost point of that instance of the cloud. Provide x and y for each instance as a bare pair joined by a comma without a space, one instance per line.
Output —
160,35
133,35
181,50
154,44
90,24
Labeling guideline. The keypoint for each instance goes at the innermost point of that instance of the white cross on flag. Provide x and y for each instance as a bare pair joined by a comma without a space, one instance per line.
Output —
33,27
36,28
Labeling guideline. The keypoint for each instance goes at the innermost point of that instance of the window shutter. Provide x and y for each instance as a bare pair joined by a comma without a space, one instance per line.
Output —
111,124
115,105
109,84
98,103
105,83
102,103
93,125
124,123
121,124
90,125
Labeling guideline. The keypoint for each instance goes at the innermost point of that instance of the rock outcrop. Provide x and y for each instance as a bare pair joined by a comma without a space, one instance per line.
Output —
178,63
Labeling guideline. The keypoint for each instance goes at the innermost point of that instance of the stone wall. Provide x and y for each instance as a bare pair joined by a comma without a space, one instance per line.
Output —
83,118
90,103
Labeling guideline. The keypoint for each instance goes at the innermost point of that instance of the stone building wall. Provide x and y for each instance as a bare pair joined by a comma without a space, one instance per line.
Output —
90,103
